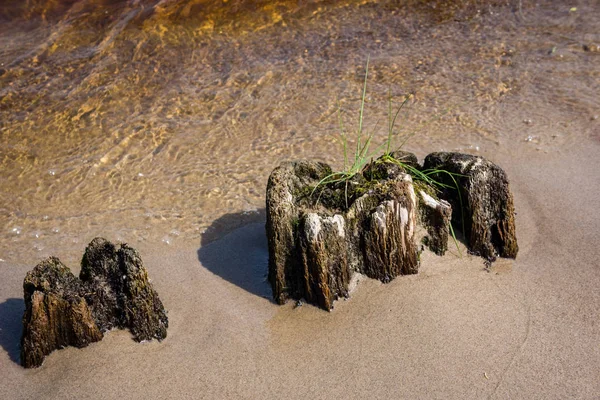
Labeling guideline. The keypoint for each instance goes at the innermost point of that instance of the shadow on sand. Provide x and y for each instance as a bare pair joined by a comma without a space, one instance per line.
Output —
234,247
11,313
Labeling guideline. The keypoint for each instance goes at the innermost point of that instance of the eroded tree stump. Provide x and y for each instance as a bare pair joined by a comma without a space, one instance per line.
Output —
484,202
112,291
319,234
360,225
121,294
56,313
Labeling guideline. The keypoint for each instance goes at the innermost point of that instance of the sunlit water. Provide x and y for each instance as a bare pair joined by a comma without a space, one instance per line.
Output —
149,121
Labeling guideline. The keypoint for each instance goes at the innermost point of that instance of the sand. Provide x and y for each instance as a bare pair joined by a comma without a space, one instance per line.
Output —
526,329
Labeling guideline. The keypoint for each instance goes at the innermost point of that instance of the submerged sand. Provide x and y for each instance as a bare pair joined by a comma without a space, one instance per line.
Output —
527,328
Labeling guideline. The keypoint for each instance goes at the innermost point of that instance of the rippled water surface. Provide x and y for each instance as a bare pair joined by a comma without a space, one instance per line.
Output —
153,120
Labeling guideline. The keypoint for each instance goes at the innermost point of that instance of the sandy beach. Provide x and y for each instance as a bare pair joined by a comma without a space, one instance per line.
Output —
525,329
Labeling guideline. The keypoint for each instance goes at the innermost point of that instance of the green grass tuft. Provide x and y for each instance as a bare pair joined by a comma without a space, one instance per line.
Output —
362,154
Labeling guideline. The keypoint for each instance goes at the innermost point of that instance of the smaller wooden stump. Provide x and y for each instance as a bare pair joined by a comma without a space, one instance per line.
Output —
56,313
113,290
484,203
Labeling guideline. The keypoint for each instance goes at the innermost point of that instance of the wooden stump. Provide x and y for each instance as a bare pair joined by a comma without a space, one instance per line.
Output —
484,202
121,294
320,234
322,248
113,291
319,237
56,313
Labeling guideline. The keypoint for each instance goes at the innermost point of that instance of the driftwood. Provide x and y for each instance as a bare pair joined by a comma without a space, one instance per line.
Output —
319,235
112,291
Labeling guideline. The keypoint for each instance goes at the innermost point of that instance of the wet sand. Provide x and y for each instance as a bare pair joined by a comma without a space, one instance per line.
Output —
527,328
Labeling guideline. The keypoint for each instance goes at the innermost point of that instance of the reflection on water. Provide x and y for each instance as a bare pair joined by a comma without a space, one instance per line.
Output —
148,120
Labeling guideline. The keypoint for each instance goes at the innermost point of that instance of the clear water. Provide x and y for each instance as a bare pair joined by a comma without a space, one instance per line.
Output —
154,121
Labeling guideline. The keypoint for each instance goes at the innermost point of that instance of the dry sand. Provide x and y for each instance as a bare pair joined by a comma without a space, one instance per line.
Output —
526,329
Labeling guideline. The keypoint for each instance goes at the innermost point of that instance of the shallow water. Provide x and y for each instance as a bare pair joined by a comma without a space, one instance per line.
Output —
155,121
